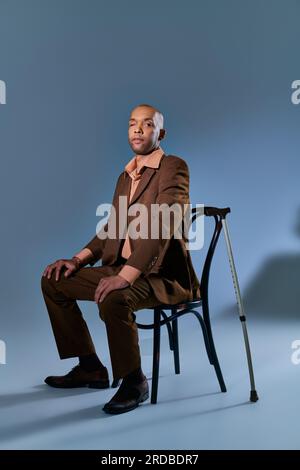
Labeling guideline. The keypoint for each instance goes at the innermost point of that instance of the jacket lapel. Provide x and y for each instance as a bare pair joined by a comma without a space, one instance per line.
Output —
144,181
147,175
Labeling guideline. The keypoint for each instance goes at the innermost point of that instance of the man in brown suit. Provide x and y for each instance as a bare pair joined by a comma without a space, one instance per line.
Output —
136,273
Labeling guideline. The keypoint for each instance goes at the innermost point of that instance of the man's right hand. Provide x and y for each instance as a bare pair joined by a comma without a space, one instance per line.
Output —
72,266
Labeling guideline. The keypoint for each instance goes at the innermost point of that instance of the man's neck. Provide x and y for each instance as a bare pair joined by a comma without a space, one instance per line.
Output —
140,156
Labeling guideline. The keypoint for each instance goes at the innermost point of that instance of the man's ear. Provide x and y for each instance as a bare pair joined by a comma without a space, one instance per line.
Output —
162,134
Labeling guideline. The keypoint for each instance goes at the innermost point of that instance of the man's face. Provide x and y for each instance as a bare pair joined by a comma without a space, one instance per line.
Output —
144,131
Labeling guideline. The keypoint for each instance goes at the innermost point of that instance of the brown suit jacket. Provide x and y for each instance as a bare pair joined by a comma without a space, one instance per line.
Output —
166,263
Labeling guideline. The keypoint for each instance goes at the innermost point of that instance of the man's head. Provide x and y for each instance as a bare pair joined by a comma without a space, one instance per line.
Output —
145,129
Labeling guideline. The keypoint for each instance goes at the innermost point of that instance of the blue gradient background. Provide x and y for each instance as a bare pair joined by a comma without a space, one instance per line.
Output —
221,73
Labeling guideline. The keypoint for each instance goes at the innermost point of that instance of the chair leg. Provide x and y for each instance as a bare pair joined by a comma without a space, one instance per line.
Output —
218,368
175,344
170,332
156,355
215,360
115,383
205,336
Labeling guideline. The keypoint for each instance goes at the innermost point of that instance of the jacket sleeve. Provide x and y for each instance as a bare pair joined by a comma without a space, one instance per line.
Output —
173,189
96,244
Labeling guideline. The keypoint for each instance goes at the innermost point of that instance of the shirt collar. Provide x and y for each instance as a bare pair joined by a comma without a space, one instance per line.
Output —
151,160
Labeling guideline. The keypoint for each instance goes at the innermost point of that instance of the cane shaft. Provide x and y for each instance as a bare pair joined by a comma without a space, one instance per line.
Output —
240,305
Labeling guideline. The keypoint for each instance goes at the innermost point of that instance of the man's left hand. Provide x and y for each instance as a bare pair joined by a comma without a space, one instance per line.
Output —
107,284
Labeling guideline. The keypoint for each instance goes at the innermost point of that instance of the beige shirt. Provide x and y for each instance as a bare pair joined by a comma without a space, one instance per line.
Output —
135,169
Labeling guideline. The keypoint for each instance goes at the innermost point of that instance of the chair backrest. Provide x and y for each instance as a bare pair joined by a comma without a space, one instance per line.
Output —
218,214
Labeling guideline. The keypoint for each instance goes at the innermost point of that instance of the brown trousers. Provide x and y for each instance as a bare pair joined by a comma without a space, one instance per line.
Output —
70,329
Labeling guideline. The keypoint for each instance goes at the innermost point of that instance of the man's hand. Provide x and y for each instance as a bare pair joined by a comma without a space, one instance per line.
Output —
107,284
72,266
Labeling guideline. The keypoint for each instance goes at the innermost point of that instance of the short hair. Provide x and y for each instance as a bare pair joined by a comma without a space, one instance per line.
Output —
159,114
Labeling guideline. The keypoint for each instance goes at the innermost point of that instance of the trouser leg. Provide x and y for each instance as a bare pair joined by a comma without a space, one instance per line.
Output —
69,327
116,311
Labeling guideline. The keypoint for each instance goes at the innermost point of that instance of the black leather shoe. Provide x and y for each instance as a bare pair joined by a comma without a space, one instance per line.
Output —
127,398
78,377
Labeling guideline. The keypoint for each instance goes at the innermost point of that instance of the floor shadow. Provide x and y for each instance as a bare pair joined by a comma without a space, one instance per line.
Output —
190,397
274,291
176,417
42,392
19,430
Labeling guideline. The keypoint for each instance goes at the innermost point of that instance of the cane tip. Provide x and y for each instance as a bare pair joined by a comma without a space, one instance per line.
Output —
253,396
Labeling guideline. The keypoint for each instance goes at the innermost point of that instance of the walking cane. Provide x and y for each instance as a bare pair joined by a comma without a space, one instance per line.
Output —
253,392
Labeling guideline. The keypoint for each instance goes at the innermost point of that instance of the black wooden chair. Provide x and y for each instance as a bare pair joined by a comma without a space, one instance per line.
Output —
178,310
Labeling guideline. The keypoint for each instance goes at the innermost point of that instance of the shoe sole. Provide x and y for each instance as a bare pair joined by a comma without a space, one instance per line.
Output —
98,385
119,411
